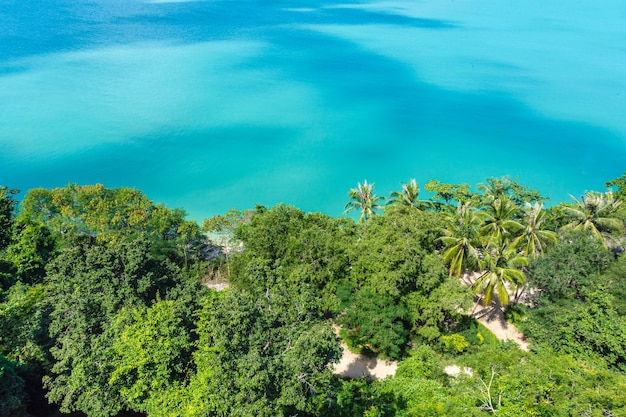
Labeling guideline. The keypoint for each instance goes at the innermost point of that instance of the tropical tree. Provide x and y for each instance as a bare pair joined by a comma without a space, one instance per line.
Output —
534,239
505,187
363,199
620,183
495,188
500,223
462,237
408,196
449,192
500,265
594,212
7,206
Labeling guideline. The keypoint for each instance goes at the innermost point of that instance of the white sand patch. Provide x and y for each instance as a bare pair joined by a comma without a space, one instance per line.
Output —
455,370
492,317
354,365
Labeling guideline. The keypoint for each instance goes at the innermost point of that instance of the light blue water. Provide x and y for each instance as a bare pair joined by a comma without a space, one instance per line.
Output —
211,105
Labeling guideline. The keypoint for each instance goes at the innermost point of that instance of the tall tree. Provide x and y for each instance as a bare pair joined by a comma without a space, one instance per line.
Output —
495,188
408,196
500,220
501,273
7,207
620,183
363,199
462,239
595,212
505,187
89,285
449,192
151,352
534,239
265,354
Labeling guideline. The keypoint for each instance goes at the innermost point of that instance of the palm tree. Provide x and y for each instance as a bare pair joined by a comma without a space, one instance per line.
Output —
534,239
496,188
363,198
594,212
500,265
461,239
408,196
500,223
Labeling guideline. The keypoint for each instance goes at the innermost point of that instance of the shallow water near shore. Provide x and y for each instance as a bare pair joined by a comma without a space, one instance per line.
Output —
212,105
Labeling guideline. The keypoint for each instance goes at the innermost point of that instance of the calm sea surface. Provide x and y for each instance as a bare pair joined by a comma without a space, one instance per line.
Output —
212,105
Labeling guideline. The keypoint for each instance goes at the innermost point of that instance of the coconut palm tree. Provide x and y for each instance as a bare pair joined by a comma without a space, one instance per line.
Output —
500,265
363,199
594,212
408,196
462,237
500,223
533,239
495,188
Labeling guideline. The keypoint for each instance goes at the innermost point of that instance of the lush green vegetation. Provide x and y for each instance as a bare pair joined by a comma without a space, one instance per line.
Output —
103,311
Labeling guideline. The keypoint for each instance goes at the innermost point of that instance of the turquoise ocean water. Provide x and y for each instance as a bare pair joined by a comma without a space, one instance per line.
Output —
210,105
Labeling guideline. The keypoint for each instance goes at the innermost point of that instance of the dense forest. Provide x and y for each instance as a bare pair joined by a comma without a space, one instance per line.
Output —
104,309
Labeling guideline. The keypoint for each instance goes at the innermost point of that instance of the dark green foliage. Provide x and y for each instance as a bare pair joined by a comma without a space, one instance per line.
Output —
301,248
101,293
393,253
474,334
267,354
376,323
12,395
89,284
359,398
23,324
568,266
7,206
589,329
435,312
620,183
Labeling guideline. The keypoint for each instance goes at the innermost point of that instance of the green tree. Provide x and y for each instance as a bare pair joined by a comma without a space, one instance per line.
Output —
534,238
305,248
620,183
12,395
377,323
569,266
392,254
89,284
263,354
594,212
364,200
588,328
505,187
495,188
7,207
501,273
32,248
408,196
109,214
500,221
152,353
462,239
449,192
